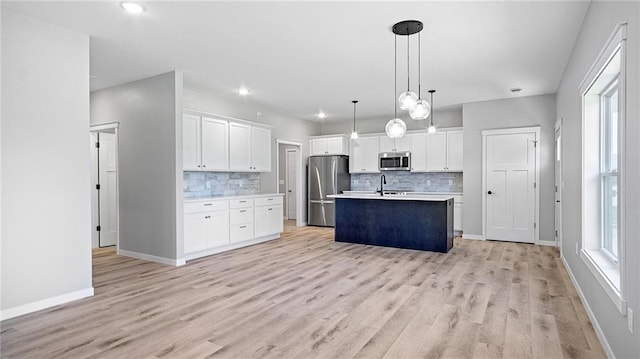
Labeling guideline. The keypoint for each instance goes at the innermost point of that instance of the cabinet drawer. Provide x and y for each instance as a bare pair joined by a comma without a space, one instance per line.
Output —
205,206
241,203
241,232
241,216
268,201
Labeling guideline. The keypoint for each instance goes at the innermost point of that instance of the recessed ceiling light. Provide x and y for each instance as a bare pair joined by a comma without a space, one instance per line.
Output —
517,89
244,91
132,7
321,115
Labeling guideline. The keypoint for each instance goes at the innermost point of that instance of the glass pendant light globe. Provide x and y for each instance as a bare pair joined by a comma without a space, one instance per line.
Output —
407,100
432,129
354,135
395,128
421,110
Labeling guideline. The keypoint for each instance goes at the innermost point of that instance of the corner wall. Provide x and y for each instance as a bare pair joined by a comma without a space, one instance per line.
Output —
508,113
599,23
149,163
46,204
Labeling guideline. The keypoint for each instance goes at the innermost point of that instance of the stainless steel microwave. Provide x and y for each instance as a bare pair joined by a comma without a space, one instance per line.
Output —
394,161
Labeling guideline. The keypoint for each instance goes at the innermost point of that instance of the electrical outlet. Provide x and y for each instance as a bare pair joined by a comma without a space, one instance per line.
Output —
577,249
630,320
428,182
450,182
208,184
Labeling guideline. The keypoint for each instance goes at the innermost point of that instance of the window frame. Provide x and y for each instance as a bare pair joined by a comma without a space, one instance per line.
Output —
605,171
607,271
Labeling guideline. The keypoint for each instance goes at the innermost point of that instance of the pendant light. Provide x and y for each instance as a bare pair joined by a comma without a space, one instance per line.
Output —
422,108
432,127
354,134
407,99
395,128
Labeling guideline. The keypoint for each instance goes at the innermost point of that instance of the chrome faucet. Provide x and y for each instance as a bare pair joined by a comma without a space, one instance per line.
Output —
383,181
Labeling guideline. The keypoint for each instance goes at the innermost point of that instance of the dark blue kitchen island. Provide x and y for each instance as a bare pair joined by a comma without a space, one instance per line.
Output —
413,222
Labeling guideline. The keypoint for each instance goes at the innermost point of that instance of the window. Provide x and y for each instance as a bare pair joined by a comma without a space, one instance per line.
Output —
603,104
609,168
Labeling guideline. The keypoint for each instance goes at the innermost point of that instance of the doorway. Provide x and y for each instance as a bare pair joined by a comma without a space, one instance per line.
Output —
289,178
558,183
104,183
510,184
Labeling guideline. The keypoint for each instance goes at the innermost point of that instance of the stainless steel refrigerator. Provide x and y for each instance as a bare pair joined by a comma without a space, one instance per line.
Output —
327,175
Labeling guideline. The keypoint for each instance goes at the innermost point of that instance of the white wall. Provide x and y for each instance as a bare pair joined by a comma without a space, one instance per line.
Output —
149,163
46,206
507,113
443,118
598,24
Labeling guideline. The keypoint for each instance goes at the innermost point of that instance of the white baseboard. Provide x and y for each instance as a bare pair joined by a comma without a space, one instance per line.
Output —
592,317
477,237
45,303
232,246
152,258
547,243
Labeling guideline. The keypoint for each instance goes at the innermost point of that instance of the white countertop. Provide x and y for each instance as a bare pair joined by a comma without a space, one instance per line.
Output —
394,197
259,195
412,193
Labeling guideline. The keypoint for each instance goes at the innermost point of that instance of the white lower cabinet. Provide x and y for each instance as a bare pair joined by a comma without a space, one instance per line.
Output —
457,213
212,226
268,216
206,225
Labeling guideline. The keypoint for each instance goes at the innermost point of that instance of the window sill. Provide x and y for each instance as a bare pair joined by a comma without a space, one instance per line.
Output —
607,273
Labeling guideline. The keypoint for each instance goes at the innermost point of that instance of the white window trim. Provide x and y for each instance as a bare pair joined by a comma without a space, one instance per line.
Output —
603,267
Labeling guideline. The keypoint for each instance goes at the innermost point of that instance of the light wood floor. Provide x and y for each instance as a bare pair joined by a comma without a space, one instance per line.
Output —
306,296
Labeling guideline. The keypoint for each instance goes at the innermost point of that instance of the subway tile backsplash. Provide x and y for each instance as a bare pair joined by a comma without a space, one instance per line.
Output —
407,181
220,184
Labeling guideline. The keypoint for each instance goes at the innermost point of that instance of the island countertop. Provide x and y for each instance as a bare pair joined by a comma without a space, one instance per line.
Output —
395,197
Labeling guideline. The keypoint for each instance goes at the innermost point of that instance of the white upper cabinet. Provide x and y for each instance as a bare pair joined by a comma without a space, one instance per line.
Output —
215,144
261,149
240,147
364,155
249,148
444,151
395,144
454,151
334,145
418,152
191,143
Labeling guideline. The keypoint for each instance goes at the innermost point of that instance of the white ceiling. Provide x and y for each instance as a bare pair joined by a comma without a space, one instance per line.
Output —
302,57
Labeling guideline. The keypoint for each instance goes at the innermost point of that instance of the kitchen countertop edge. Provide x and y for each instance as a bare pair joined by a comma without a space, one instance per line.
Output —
222,198
430,198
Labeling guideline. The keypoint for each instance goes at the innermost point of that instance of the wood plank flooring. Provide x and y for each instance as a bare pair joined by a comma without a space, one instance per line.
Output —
306,296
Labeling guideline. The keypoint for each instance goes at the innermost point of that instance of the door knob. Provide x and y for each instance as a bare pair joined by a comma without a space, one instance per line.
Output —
557,201
489,192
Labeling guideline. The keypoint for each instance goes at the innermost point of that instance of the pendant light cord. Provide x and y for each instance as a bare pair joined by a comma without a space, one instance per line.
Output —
354,114
419,73
432,109
395,75
408,74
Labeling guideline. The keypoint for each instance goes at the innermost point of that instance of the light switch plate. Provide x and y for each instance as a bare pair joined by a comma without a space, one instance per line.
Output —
630,320
208,184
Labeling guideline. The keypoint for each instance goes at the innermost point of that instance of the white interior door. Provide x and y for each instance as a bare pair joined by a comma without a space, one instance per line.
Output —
107,193
292,174
510,186
558,187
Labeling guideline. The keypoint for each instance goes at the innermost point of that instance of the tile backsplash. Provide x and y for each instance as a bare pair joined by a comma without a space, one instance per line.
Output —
220,184
407,181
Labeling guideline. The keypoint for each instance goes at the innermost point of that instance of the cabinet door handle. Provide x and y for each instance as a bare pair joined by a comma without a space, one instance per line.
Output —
242,227
244,210
270,209
208,204
207,217
270,199
243,202
198,165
